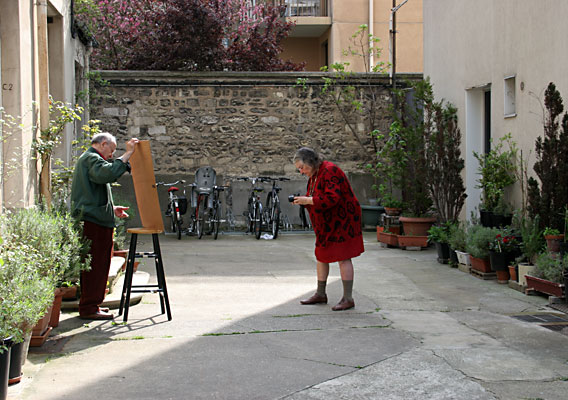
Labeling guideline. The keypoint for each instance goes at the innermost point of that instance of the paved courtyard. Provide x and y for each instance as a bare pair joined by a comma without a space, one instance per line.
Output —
420,330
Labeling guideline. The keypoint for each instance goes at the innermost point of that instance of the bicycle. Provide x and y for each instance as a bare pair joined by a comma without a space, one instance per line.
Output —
206,201
177,206
272,209
254,208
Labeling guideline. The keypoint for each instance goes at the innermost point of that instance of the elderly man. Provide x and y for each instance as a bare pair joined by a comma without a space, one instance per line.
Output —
91,202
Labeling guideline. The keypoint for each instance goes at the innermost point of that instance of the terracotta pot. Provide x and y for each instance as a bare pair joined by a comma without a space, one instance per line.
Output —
69,293
388,238
544,286
553,242
41,330
412,241
416,226
513,273
480,264
379,230
393,211
502,276
56,308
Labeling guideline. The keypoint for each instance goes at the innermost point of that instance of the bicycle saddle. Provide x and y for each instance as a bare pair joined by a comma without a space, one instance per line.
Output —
173,189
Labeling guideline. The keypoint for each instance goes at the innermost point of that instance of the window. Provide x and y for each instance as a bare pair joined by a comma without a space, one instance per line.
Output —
509,91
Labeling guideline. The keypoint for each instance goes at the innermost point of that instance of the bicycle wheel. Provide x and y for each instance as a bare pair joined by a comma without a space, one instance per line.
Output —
250,216
275,213
215,221
173,221
257,220
200,217
179,229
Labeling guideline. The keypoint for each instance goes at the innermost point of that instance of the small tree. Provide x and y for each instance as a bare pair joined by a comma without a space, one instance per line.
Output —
351,100
409,128
443,157
551,167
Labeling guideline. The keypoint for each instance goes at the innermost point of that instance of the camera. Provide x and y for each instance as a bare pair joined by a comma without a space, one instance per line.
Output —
291,197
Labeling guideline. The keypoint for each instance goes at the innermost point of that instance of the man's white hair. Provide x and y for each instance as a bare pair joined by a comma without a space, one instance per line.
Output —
103,137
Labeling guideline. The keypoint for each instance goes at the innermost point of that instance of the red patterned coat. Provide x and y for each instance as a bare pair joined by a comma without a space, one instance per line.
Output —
335,215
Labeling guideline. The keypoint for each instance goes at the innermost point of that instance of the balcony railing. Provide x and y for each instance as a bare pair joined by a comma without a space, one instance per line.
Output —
303,8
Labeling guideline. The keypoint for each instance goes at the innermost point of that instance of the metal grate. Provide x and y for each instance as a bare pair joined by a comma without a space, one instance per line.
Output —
554,322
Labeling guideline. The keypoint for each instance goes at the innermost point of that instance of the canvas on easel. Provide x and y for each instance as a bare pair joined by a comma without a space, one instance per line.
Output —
145,187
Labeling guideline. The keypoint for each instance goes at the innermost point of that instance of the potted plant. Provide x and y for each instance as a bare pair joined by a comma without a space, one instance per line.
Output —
439,235
548,277
497,170
443,160
532,244
457,241
553,238
477,245
25,295
390,239
401,160
503,249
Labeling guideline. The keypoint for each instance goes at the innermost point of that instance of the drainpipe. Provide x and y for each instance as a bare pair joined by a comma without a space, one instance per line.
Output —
392,30
43,84
371,34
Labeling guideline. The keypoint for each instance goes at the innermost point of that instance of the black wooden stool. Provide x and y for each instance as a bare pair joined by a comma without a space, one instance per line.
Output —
160,288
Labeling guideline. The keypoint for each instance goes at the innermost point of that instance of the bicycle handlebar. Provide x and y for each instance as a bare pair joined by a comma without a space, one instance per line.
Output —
170,184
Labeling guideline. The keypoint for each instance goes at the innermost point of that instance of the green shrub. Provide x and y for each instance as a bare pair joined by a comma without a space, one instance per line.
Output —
478,239
457,236
549,268
439,233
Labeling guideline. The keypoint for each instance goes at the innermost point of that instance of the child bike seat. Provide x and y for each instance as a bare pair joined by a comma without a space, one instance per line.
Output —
205,180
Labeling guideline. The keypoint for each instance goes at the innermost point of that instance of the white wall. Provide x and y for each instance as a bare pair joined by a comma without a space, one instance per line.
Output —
469,44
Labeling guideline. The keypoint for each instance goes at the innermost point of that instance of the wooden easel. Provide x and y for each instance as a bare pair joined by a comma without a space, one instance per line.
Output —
152,224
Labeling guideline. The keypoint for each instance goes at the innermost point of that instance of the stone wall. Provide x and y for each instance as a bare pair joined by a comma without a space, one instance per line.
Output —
241,124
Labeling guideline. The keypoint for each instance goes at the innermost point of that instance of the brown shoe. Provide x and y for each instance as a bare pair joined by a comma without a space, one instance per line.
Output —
99,315
315,299
343,305
104,309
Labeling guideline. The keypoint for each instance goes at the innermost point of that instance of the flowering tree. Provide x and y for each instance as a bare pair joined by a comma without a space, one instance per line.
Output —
190,35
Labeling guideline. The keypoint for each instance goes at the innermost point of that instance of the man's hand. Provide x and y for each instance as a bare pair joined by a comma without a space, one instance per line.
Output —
130,147
120,211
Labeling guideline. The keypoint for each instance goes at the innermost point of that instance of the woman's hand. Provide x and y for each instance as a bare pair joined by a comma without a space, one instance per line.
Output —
303,200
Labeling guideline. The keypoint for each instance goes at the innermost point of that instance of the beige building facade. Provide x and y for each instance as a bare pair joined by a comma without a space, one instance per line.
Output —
324,28
40,54
493,60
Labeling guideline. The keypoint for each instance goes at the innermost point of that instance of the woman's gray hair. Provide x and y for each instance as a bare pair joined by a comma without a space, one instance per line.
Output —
308,156
103,137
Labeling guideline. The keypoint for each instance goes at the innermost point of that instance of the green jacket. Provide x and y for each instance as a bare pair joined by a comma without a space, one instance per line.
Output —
91,196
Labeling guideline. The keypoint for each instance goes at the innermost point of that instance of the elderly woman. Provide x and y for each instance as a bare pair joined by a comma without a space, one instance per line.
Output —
336,217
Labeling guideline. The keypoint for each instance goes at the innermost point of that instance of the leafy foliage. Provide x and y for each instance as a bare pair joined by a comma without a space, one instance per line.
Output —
408,132
189,35
497,170
478,240
549,199
550,268
457,235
